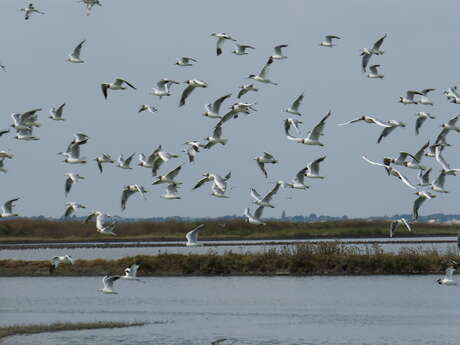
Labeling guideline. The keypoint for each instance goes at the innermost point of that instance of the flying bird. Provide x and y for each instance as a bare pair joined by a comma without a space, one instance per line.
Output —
118,84
448,278
240,49
278,55
185,61
391,171
124,163
192,236
163,86
71,179
107,282
289,123
313,136
265,201
421,118
71,207
130,190
422,197
7,209
374,73
244,89
256,217
56,113
29,10
75,56
399,222
262,76
328,41
294,108
393,124
57,260
105,158
312,170
221,38
409,99
148,107
213,109
192,85
131,273
266,158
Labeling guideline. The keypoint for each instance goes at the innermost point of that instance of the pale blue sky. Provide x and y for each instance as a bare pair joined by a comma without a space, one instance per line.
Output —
140,40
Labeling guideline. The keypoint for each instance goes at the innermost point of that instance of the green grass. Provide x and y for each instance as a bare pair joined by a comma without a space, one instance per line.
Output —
61,326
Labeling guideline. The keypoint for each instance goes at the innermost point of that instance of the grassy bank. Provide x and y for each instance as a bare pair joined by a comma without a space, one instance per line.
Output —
61,326
28,230
306,259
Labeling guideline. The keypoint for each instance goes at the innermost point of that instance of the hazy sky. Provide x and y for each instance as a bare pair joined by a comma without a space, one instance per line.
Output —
140,40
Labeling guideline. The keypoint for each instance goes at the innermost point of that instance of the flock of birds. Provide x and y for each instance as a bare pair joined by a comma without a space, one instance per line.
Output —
26,123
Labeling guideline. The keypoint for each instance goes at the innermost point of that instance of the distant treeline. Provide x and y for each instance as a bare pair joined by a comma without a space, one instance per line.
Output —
24,229
326,258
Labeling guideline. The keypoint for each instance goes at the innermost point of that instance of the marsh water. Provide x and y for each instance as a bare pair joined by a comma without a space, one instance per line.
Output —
367,310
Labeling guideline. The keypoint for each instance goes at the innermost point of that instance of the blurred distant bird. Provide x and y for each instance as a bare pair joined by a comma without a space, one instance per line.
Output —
215,138
421,118
57,260
256,217
75,56
328,41
265,201
130,190
105,158
312,170
29,10
56,113
374,73
423,97
148,107
245,89
107,282
396,223
240,49
171,192
7,209
288,123
264,159
185,61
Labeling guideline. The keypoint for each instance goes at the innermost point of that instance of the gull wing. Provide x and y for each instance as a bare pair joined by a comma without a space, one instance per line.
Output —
317,130
270,194
255,195
374,163
104,88
278,49
228,176
266,68
440,159
365,60
379,43
90,216
373,69
386,131
314,166
69,210
406,224
449,272
77,50
8,206
300,177
351,121
418,124
124,197
439,182
200,183
108,281
68,185
417,203
258,212
187,91
129,159
192,236
419,154
217,133
120,81
262,168
297,102
141,190
453,121
173,173
403,179
218,102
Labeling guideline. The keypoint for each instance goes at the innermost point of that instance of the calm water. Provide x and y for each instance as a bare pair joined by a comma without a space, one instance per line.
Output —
386,244
248,310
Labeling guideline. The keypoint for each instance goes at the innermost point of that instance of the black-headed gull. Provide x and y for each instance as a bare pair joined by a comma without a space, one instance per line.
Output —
314,135
105,224
130,190
396,223
221,38
104,158
71,207
57,260
387,130
256,217
29,10
262,76
185,61
244,89
124,163
374,73
213,109
328,41
391,171
192,84
422,196
289,123
240,49
448,278
312,170
192,236
107,282
56,113
169,177
70,180
215,138
294,108
424,98
118,84
265,201
147,107
75,56
7,209
421,118
409,99
266,158
131,273
278,55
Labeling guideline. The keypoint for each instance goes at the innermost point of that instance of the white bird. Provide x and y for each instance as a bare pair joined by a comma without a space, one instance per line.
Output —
366,119
105,224
423,97
220,181
391,171
396,223
56,113
118,84
289,122
75,56
70,180
221,38
7,209
298,182
108,281
72,155
452,94
374,73
25,134
422,197
192,150
313,135
401,160
163,87
192,236
443,163
105,158
262,76
387,130
71,207
424,178
266,158
169,177
438,184
148,107
185,61
421,118
57,260
131,273
215,138
29,10
255,218
366,56
294,108
26,120
240,49
416,158
217,191
212,109
130,190
409,99
376,47
328,41
312,170
448,278
192,85
124,163
171,192
265,201
278,55
245,89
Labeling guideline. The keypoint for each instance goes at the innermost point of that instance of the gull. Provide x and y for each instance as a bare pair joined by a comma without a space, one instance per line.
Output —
376,47
262,76
448,278
105,224
265,159
215,138
118,84
162,88
148,107
169,177
7,209
366,119
29,10
105,158
278,53
409,99
25,134
421,118
71,207
75,56
124,163
438,184
171,192
422,196
254,218
452,95
391,171
328,41
70,180
108,281
220,181
192,236
160,158
72,155
424,178
401,160
366,56
245,89
212,109
192,85
221,38
192,150
423,98
374,73
386,131
131,273
265,201
2,166
25,120
57,260
56,113
80,138
313,135
312,170
396,223
130,190
298,181
149,162
217,191
89,5
240,49
185,61
417,158
295,106
289,122
6,154
450,125
443,163
432,150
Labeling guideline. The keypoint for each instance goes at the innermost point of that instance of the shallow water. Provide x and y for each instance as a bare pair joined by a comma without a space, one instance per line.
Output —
248,310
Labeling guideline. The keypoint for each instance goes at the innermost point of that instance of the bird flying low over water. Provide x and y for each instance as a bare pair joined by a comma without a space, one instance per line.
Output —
57,260
396,223
131,273
107,282
448,278
118,84
192,236
256,217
